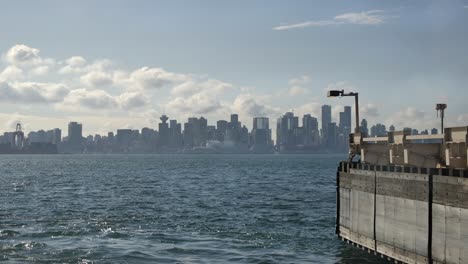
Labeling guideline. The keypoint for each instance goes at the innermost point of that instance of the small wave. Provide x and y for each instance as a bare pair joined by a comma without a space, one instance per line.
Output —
28,245
8,233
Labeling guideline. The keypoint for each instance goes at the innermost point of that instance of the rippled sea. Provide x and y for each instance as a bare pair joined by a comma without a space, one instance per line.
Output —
171,209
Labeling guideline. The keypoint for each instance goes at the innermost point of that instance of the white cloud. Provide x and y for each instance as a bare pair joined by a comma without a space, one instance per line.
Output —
11,73
22,54
199,103
313,108
372,17
130,100
296,91
30,92
296,86
193,86
248,105
304,79
462,119
153,78
369,110
41,70
74,64
96,79
93,99
413,118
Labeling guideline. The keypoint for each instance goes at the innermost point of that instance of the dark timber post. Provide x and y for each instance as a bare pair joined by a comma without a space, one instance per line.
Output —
337,224
429,218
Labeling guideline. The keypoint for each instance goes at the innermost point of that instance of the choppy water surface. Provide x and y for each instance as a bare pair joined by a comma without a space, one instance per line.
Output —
171,209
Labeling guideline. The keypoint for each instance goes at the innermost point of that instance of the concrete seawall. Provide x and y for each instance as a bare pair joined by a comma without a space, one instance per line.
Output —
408,214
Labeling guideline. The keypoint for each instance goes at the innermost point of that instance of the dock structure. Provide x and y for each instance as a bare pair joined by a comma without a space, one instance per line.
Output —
407,198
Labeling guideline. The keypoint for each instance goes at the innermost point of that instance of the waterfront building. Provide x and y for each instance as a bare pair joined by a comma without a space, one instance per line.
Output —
261,135
163,140
75,138
326,119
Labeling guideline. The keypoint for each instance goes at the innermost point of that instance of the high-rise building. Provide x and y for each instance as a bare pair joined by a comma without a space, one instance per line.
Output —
332,136
311,131
285,131
363,127
75,138
378,130
175,134
56,136
235,121
124,139
163,140
221,128
261,135
345,118
326,119
261,123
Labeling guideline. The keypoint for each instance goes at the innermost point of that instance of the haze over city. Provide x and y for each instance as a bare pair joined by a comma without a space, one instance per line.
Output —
126,64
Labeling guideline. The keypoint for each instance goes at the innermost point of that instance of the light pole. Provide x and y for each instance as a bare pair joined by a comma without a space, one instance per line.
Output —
337,93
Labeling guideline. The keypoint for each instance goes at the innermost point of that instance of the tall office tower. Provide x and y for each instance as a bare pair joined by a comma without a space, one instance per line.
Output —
345,119
326,119
261,135
188,135
285,131
75,137
391,128
261,123
163,132
235,121
332,136
124,139
175,134
434,131
56,136
221,127
311,132
202,133
363,126
378,130
233,132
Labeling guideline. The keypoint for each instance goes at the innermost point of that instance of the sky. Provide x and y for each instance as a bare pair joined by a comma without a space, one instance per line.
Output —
122,64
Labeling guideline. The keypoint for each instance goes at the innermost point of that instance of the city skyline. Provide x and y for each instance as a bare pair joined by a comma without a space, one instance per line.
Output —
196,136
203,60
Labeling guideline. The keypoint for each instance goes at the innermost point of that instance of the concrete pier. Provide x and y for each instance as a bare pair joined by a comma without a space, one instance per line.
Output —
407,214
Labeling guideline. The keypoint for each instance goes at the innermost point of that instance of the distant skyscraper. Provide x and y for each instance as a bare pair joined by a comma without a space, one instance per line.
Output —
175,134
311,131
391,128
363,127
235,121
378,130
75,132
75,137
285,131
326,119
345,118
261,135
221,127
260,123
57,136
163,132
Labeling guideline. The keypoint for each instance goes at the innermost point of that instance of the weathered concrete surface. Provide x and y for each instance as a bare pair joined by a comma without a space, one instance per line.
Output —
450,220
410,217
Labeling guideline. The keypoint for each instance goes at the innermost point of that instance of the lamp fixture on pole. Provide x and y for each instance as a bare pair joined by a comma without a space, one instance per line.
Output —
338,93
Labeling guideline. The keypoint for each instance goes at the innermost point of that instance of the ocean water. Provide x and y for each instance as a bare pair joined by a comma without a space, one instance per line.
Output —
171,209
